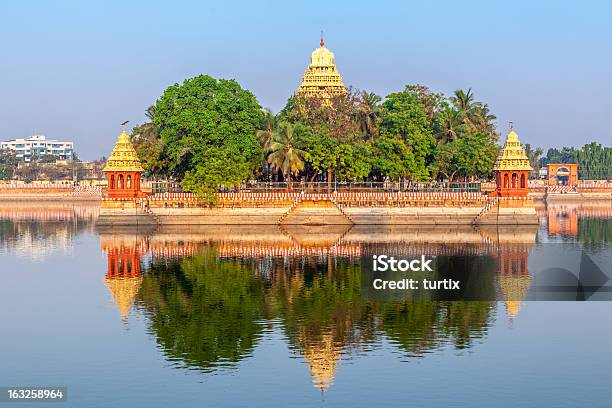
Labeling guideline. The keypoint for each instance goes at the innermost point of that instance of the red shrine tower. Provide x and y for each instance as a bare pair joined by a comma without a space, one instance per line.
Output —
512,169
123,170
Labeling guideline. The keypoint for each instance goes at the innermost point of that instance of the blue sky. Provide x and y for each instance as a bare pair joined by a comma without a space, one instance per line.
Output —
75,70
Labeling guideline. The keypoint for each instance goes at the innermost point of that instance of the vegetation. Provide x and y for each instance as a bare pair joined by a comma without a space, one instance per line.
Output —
8,164
211,133
203,132
210,313
594,161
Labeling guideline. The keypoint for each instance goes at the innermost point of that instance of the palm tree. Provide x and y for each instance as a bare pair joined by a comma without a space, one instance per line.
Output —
283,155
482,118
451,120
368,113
265,134
464,102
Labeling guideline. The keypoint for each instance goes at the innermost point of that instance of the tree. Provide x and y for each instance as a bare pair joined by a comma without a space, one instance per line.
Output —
448,160
208,130
344,160
149,146
474,115
8,164
204,311
469,155
483,119
534,156
449,122
283,154
594,162
464,103
268,124
566,155
405,116
392,158
47,158
368,114
338,116
28,172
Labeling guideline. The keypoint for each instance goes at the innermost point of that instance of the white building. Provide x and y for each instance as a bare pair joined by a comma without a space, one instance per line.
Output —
39,145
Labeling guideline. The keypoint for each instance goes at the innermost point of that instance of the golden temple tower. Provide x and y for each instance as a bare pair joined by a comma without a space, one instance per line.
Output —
514,278
123,170
124,274
322,358
321,78
512,168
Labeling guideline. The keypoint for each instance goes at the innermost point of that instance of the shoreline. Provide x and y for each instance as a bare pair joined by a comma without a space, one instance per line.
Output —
30,198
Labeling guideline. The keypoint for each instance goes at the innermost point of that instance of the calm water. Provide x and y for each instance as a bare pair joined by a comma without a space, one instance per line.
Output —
270,317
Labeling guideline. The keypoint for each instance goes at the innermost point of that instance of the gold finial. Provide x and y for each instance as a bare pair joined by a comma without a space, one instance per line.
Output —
322,41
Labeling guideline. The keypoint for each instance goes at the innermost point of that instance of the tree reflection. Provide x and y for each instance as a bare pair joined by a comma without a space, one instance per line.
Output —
208,312
204,312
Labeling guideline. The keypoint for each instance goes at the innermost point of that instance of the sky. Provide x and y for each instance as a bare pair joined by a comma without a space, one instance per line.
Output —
74,70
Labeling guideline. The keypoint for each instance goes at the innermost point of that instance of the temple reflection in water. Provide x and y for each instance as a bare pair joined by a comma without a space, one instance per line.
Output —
209,297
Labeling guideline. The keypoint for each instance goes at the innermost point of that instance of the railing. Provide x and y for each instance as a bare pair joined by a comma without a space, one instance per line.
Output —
388,186
166,187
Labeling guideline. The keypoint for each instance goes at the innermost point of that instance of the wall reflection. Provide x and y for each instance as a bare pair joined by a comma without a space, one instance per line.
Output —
36,231
590,222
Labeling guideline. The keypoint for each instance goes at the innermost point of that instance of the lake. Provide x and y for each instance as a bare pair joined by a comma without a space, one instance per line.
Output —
269,316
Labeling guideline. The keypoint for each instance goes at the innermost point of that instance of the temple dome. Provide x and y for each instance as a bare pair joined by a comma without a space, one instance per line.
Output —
124,292
321,77
512,155
124,156
514,289
322,358
322,57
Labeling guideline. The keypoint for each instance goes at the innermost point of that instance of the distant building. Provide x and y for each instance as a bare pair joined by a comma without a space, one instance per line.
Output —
564,174
39,146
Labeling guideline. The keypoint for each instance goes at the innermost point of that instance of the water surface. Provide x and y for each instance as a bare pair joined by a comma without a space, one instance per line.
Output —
273,317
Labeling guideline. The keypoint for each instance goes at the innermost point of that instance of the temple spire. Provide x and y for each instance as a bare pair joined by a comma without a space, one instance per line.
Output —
321,78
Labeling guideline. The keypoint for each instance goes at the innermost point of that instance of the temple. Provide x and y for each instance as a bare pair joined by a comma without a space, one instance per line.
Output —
123,170
512,169
321,78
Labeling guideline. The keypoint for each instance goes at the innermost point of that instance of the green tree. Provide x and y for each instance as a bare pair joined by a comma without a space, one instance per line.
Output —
535,157
368,114
474,115
208,129
149,146
464,103
469,155
283,154
47,158
344,160
204,311
449,123
594,162
8,164
405,116
393,158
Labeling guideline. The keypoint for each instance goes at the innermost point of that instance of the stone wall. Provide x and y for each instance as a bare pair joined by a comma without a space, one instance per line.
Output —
440,210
